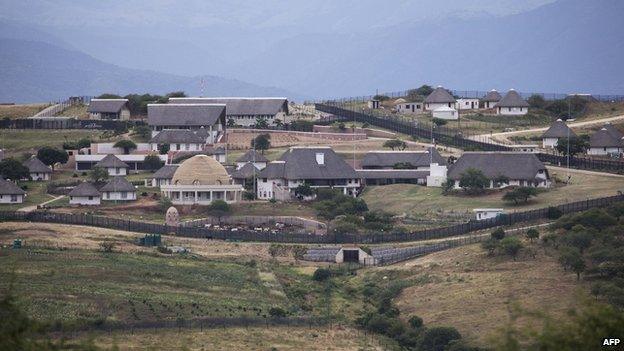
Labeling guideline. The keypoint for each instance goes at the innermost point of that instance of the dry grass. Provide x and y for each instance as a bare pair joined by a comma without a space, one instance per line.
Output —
465,288
76,111
20,111
280,338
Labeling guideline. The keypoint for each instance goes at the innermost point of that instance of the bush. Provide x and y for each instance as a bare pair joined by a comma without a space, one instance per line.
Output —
415,322
277,312
498,234
107,246
164,250
321,274
532,234
511,246
438,338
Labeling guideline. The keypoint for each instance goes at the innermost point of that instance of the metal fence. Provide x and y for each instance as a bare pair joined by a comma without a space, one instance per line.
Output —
67,123
296,238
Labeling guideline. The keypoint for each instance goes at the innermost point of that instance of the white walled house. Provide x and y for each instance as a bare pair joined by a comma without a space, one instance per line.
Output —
487,213
113,165
558,130
520,168
411,167
491,99
253,157
84,194
118,189
163,176
209,119
116,109
319,167
178,140
37,169
606,141
467,104
512,104
134,161
10,193
109,148
439,97
244,111
410,107
445,112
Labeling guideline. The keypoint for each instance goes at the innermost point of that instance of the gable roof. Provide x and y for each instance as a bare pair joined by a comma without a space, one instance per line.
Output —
439,96
559,129
251,156
514,165
300,163
111,161
169,136
392,174
106,105
185,114
84,189
35,165
492,96
512,99
10,188
165,172
607,136
247,171
117,184
387,159
245,106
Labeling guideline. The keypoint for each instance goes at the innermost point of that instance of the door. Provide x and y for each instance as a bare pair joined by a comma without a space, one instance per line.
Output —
351,255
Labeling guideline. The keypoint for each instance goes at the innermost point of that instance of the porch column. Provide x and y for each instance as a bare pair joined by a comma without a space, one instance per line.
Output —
195,196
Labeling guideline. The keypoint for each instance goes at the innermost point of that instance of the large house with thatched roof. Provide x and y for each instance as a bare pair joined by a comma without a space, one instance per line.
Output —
318,167
244,111
439,97
109,109
491,99
118,189
37,169
606,141
201,180
415,167
10,193
84,194
512,104
558,130
209,119
502,169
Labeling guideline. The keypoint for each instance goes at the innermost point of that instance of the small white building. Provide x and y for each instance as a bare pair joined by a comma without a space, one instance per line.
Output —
113,165
10,193
116,109
445,112
37,169
558,130
410,107
439,97
491,99
373,104
512,104
487,213
606,141
437,175
118,189
467,104
84,194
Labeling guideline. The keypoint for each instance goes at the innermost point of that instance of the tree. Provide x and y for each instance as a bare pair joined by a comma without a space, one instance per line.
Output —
262,142
126,145
303,191
164,203
520,194
51,156
490,245
11,168
176,94
152,163
98,175
219,209
144,132
277,312
532,233
578,145
537,101
579,237
439,121
278,123
231,122
511,245
415,322
262,123
500,180
395,144
473,181
321,274
109,96
163,148
498,234
578,265
437,338
553,212
302,125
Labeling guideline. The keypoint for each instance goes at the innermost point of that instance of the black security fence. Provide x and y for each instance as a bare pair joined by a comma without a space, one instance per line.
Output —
587,163
68,123
282,237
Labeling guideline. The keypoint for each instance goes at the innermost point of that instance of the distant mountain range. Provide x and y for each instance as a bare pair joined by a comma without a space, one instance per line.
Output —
32,71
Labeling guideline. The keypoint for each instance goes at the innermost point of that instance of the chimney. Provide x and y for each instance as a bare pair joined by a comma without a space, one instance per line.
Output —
320,158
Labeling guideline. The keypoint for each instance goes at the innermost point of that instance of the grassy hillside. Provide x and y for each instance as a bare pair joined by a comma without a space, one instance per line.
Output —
20,111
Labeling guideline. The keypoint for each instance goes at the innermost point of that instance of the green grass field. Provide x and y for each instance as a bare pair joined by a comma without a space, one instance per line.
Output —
16,142
36,194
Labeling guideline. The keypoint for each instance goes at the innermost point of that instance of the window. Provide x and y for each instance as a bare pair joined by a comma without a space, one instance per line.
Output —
509,109
264,180
107,195
90,198
124,194
177,146
117,170
186,146
13,198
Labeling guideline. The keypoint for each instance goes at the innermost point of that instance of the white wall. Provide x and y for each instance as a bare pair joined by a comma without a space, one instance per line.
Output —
79,200
437,175
604,150
117,195
512,111
108,148
480,216
431,107
451,115
549,142
116,171
467,104
40,176
8,199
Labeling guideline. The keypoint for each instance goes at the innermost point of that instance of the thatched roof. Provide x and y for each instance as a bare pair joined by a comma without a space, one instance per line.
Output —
35,165
439,96
117,184
10,188
84,189
512,99
106,105
559,129
514,165
200,170
111,161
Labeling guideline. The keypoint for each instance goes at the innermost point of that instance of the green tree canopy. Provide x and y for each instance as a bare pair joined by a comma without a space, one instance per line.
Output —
98,174
126,145
262,142
395,144
152,163
11,168
578,145
473,181
219,209
51,156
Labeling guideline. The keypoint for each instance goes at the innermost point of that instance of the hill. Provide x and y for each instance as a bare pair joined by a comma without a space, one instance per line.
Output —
37,71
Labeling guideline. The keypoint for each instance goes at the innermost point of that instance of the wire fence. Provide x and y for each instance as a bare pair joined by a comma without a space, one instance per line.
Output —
302,238
67,123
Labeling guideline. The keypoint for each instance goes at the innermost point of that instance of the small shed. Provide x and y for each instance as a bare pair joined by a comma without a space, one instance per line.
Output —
445,112
487,213
467,104
84,194
116,109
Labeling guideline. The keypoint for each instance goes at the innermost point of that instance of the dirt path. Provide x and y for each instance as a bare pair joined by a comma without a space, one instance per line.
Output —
34,207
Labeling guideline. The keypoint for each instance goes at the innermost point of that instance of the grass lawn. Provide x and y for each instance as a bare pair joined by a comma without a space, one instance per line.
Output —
21,111
16,142
36,194
418,200
465,288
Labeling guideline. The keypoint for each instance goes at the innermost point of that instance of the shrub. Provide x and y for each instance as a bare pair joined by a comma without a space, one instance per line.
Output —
415,322
511,246
321,274
532,233
498,234
107,246
438,338
473,181
164,250
277,312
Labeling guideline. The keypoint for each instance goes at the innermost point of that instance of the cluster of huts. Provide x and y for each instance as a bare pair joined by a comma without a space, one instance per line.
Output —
607,141
442,104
